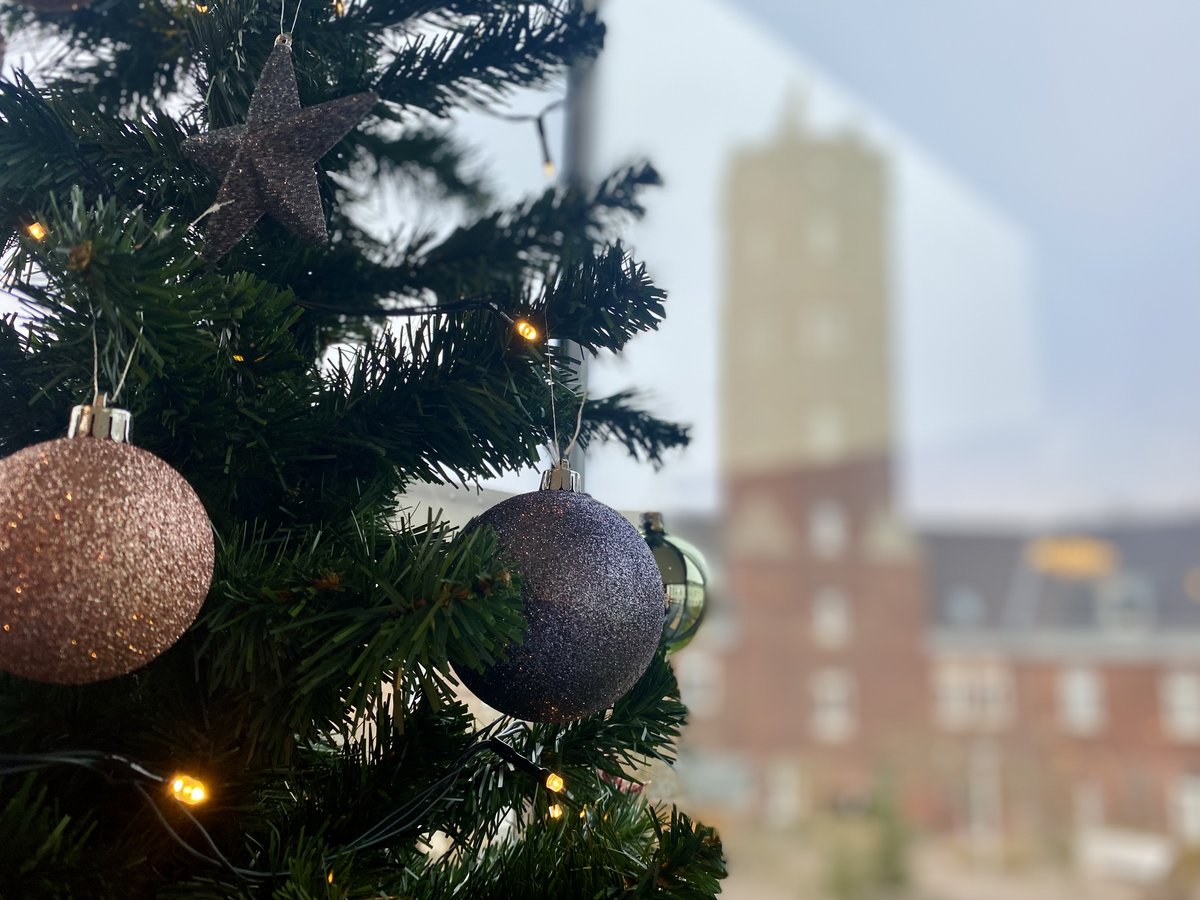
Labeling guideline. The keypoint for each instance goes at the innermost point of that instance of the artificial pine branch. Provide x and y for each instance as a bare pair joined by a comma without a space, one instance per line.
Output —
483,60
315,691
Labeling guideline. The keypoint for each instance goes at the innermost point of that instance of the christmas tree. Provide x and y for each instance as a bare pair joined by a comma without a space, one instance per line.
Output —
168,171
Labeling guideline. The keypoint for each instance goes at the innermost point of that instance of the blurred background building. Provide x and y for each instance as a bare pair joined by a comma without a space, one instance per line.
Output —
1013,677
954,646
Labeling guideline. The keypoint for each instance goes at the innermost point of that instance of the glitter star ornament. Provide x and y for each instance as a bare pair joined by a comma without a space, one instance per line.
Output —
267,165
593,604
106,553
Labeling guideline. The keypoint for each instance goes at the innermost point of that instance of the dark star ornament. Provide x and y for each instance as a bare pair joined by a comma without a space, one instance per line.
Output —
268,164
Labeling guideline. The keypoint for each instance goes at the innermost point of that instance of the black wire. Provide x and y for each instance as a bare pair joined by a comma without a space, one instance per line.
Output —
392,826
86,759
370,837
394,823
430,310
527,117
539,123
170,830
221,861
483,741
213,844
487,302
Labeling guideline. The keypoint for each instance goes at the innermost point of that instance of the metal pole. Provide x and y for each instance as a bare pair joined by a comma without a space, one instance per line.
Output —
577,173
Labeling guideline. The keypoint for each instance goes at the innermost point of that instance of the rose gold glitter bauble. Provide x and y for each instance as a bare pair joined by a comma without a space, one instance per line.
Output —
106,555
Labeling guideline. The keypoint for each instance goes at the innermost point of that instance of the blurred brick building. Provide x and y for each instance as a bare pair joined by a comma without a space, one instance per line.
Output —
1008,686
1065,674
823,677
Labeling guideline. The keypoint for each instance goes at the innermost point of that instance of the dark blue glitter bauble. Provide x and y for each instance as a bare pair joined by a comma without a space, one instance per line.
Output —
594,607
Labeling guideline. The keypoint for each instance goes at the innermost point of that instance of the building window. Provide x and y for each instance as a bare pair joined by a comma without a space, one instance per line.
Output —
823,235
973,696
1180,695
1081,701
823,331
786,801
831,623
1125,603
761,530
1185,809
833,701
964,606
827,530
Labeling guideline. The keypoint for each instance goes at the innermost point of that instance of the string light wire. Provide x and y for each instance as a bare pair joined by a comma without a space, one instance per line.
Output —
539,123
490,737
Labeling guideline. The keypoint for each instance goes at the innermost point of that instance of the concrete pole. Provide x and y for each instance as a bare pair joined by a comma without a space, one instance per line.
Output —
578,172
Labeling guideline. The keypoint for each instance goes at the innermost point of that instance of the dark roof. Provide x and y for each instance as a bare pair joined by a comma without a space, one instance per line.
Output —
982,582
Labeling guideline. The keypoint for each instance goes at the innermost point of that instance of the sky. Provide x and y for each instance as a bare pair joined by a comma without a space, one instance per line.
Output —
1074,122
693,108
1081,122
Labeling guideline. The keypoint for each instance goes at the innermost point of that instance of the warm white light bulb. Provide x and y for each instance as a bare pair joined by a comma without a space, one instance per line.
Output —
188,790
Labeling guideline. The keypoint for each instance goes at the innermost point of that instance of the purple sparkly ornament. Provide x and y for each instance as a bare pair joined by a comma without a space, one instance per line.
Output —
594,605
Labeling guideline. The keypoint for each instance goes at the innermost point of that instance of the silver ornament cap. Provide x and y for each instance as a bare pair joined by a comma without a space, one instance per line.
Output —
99,420
562,478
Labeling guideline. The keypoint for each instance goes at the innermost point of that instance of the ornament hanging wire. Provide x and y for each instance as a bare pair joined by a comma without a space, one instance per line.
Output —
95,358
553,409
128,360
295,19
578,426
561,455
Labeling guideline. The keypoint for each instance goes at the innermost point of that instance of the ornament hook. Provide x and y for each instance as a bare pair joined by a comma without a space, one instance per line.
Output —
99,420
562,478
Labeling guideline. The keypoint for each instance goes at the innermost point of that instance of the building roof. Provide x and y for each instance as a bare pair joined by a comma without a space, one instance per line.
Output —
1128,590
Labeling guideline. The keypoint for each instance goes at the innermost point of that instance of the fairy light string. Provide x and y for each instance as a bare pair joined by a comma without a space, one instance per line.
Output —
117,768
539,124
